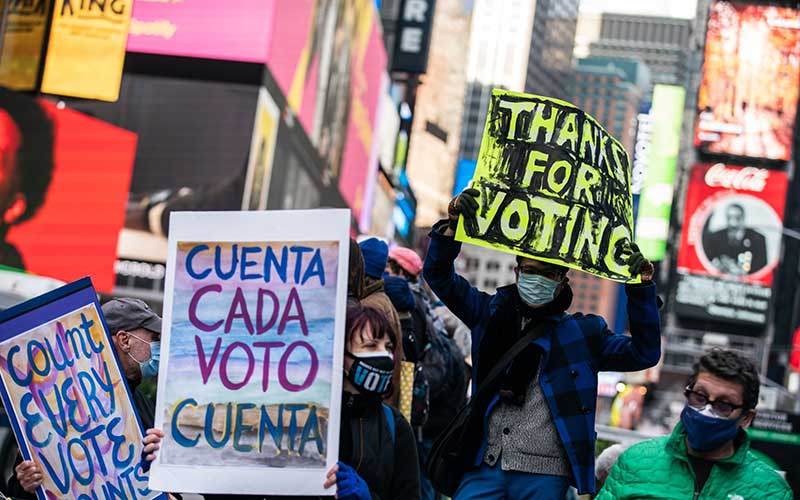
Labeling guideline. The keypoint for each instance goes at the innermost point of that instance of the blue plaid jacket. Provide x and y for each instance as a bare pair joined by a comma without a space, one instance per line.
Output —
574,350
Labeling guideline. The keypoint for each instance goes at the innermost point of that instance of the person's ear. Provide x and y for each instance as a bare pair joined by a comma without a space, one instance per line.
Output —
16,209
123,340
747,419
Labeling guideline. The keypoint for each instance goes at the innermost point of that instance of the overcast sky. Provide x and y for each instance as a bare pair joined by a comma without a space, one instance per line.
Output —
669,8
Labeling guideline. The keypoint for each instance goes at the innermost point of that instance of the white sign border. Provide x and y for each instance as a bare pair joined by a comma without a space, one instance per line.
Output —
255,226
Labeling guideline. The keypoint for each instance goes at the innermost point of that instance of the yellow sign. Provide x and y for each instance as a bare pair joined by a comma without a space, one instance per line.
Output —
554,186
87,48
23,37
262,150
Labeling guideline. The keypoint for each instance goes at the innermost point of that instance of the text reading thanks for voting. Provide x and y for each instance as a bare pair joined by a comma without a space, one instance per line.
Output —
554,185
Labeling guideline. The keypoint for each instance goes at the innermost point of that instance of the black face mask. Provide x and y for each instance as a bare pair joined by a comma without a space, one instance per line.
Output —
371,373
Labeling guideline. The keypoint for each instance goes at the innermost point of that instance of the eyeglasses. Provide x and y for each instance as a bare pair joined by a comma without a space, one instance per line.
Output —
549,273
700,400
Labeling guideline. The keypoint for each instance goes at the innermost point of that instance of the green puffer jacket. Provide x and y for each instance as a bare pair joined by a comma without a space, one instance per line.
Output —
659,469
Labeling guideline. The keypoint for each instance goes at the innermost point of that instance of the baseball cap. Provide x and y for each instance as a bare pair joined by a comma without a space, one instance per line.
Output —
129,314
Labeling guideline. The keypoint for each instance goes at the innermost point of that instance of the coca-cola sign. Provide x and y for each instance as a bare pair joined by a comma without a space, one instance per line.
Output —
741,179
730,243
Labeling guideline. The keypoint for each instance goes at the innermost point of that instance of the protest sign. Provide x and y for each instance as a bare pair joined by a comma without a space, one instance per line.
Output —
251,363
554,186
67,400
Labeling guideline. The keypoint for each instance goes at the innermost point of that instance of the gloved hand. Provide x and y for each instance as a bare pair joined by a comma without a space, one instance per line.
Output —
465,204
638,264
349,485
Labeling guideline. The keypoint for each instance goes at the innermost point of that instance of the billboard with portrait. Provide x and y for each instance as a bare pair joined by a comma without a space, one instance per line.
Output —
731,241
747,100
64,180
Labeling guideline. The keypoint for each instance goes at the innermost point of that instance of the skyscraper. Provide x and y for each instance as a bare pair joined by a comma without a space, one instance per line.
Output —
522,45
661,42
433,149
611,90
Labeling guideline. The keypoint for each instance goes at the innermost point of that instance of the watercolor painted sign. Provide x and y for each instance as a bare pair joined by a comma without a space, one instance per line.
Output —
554,186
67,399
251,367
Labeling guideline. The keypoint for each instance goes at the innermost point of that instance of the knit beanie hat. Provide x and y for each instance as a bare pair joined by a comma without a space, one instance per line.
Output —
376,254
407,259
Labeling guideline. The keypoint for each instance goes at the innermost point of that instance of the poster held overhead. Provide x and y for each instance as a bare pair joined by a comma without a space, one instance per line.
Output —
67,399
554,186
252,349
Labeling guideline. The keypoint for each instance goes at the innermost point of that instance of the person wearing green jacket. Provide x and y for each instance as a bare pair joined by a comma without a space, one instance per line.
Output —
707,456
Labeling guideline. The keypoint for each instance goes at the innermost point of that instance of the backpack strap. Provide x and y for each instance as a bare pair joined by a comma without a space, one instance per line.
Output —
389,414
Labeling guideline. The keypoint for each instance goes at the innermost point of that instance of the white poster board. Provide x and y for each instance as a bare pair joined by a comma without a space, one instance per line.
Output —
249,393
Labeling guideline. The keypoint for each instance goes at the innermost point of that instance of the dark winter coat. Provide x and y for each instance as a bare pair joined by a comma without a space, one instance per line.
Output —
574,349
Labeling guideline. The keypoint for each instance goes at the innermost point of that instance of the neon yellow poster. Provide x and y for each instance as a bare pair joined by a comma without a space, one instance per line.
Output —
554,186
87,49
23,37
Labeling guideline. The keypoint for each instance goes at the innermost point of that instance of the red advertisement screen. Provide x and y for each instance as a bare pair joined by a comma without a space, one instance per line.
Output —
70,224
751,76
731,240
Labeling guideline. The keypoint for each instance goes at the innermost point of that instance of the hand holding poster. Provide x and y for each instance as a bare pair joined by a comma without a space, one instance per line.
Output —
252,351
67,401
555,186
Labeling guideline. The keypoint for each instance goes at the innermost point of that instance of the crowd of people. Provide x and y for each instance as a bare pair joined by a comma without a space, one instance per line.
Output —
527,430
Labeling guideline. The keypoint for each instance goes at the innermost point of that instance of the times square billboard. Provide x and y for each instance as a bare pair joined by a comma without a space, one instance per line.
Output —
731,241
747,100
328,59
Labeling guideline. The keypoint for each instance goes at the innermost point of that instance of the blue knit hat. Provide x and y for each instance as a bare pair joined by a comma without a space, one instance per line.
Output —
376,253
399,293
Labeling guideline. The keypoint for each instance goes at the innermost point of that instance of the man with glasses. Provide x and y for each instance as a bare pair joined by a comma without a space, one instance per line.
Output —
535,435
707,455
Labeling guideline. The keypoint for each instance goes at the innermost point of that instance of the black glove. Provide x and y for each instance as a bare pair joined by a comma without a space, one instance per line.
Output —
464,204
638,264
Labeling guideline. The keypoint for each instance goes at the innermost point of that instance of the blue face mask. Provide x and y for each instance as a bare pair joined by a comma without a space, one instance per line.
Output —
536,290
705,431
149,367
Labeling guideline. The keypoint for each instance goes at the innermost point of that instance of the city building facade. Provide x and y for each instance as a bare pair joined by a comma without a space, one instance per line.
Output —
660,42
436,125
521,45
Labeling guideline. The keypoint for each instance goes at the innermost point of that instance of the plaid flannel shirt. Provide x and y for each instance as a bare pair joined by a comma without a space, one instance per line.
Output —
574,350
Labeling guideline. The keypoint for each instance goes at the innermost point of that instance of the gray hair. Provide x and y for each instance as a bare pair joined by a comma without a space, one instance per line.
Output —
606,460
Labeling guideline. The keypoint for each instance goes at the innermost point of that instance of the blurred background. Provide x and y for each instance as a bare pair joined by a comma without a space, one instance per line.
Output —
380,106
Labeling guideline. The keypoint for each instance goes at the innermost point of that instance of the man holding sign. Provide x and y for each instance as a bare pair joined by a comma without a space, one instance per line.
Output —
135,332
553,188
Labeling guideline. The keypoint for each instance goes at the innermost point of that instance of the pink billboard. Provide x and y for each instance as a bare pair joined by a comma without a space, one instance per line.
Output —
327,57
236,30
329,60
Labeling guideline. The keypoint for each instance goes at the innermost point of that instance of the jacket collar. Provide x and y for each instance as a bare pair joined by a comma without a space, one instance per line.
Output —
371,285
676,446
